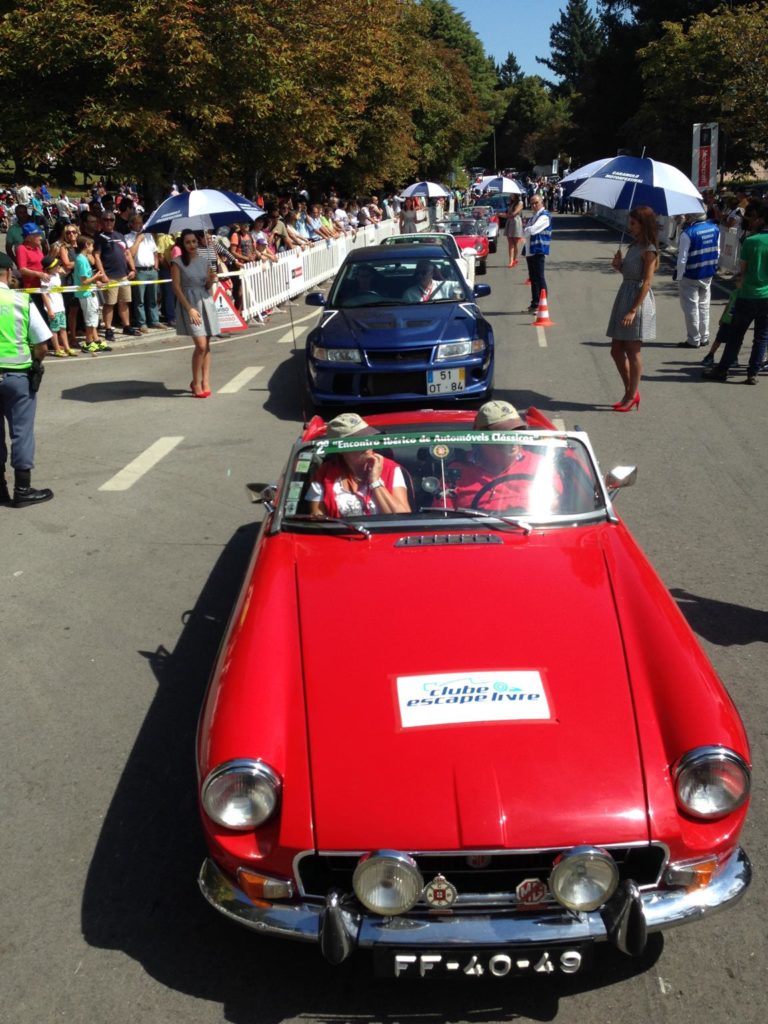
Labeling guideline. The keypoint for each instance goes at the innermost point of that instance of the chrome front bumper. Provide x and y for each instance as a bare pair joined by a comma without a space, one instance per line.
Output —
340,927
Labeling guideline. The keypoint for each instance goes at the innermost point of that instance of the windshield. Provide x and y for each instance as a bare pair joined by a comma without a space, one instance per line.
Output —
435,476
464,225
400,282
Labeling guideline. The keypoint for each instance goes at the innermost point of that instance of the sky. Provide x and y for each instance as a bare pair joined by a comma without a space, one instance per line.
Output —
517,26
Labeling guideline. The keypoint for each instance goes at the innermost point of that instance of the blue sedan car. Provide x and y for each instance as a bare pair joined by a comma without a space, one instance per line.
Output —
400,324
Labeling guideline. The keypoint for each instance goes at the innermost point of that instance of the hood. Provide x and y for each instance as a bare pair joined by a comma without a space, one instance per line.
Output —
387,327
399,642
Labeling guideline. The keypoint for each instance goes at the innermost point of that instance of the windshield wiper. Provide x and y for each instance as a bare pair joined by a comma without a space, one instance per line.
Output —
306,518
478,513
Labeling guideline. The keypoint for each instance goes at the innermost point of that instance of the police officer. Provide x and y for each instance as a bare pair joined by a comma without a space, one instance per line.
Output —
23,345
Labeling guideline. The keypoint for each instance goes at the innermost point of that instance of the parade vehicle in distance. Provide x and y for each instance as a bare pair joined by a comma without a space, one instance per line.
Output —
471,231
495,206
383,338
466,258
487,788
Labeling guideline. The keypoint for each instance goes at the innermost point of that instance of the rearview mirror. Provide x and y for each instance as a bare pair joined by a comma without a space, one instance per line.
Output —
620,476
263,494
481,290
315,299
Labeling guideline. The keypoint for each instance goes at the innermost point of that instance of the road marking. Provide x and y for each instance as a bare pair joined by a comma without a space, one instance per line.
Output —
288,337
240,380
559,424
142,464
542,338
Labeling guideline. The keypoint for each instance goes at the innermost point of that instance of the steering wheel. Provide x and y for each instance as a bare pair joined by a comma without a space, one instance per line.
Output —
501,480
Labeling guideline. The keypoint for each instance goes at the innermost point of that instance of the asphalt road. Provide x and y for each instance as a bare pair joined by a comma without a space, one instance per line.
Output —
114,601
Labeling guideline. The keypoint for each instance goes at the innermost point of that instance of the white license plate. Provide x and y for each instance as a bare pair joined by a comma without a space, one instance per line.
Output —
445,382
489,963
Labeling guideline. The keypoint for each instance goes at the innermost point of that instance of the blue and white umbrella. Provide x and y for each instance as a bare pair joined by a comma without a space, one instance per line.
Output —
202,208
498,183
628,181
428,189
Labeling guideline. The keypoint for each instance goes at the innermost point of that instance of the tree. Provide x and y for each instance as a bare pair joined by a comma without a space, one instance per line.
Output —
575,41
509,73
723,60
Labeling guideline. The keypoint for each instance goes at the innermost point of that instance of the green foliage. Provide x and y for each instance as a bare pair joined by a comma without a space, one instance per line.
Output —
235,92
575,41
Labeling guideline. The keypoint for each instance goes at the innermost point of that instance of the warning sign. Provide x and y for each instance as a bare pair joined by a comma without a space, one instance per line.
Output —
229,317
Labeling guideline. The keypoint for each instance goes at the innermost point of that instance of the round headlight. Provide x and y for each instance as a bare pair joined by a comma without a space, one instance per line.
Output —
241,794
584,878
387,882
710,782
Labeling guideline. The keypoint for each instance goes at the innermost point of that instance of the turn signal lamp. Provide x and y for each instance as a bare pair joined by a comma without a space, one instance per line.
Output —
691,874
261,887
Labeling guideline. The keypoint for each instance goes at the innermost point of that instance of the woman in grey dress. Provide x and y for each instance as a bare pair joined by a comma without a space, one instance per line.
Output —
514,228
633,317
192,276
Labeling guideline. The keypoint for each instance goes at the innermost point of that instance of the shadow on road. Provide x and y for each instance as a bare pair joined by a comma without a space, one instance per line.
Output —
286,389
141,895
721,622
120,390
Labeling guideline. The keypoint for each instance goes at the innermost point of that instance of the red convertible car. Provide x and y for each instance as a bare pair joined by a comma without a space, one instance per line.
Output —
485,786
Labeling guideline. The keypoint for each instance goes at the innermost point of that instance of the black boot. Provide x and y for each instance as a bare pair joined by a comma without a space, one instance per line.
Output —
24,494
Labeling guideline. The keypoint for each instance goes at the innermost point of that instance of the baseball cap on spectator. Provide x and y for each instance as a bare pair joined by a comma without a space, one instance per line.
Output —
502,415
6,263
31,229
260,238
348,424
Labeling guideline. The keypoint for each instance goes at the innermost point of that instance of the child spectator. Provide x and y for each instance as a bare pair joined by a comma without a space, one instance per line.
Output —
83,276
53,301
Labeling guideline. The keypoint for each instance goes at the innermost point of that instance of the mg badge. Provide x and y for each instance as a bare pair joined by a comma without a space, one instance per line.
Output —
440,894
531,891
478,860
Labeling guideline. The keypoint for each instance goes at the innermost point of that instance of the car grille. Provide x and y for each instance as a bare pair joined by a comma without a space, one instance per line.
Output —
398,357
491,883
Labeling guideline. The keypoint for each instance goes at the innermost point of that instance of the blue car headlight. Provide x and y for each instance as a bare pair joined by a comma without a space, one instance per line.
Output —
459,349
336,355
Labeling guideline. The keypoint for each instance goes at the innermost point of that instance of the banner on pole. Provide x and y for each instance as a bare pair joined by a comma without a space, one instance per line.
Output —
704,163
229,317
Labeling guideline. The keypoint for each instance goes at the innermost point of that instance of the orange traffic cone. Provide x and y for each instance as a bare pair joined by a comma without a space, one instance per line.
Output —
542,314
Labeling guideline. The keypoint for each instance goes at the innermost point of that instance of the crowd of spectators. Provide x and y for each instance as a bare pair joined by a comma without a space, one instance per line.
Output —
99,238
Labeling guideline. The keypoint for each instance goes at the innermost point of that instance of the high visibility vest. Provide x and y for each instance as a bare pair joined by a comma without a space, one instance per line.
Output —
15,350
539,243
704,252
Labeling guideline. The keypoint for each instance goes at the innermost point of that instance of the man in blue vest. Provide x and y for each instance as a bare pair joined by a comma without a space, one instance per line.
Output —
538,234
697,259
23,346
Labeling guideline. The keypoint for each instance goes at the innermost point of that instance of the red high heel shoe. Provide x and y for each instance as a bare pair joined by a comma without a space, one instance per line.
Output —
633,403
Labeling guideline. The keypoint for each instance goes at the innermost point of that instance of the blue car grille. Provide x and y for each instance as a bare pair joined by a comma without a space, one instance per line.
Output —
398,357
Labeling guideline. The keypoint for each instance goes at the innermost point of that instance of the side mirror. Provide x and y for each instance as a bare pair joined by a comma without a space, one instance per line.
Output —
481,290
263,494
315,299
620,476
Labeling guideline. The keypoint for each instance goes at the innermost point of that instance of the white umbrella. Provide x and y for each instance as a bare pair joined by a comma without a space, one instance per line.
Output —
428,189
628,181
498,183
